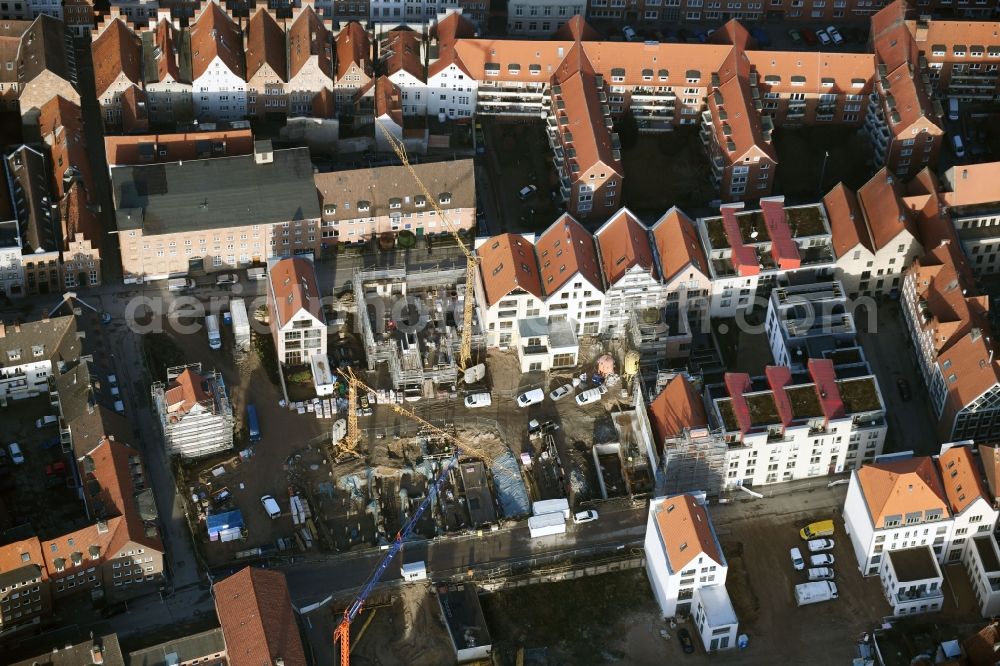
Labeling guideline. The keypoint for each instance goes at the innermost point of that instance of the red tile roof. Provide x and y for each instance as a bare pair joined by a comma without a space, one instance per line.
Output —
972,184
827,389
623,242
258,623
778,377
215,34
294,288
900,487
847,222
167,63
400,52
678,407
353,47
738,383
743,257
12,556
266,45
678,244
783,248
564,251
881,201
124,149
308,37
508,262
963,482
685,531
116,50
185,391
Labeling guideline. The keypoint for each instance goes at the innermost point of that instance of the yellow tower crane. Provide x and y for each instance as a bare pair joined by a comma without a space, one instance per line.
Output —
465,351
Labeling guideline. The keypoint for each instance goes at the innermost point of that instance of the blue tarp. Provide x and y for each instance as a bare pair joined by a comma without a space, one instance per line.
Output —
220,522
511,492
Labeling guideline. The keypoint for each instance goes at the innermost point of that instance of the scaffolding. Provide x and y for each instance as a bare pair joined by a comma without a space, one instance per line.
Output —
693,461
203,429
408,321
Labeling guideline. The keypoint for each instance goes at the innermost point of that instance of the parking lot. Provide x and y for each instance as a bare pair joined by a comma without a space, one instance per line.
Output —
41,490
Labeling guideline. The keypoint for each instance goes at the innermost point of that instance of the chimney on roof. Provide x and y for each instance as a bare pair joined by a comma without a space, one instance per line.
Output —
17,327
3,330
888,179
965,174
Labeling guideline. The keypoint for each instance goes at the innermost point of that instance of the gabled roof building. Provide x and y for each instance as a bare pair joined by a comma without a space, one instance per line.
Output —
195,414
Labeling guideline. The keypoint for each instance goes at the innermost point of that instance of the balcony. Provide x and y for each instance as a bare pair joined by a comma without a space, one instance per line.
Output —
918,594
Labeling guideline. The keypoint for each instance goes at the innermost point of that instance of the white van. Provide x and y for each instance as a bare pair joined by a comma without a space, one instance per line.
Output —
478,400
953,114
46,421
271,506
532,397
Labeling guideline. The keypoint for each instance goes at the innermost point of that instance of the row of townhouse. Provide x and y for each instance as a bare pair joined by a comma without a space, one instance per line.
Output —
381,15
78,15
908,516
216,70
652,14
232,205
668,278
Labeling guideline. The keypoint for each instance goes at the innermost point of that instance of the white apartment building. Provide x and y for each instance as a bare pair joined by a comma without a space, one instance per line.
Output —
510,285
11,269
687,569
167,73
294,301
218,83
912,581
875,235
982,562
451,91
570,275
629,271
800,316
541,18
546,344
401,52
684,271
784,427
748,250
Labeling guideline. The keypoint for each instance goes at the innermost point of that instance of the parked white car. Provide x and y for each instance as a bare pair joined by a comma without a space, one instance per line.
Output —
824,38
824,560
820,545
478,400
532,397
797,560
15,453
561,392
835,35
51,419
584,516
591,395
820,573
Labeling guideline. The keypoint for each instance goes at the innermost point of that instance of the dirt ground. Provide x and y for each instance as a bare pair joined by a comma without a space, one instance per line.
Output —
518,155
408,630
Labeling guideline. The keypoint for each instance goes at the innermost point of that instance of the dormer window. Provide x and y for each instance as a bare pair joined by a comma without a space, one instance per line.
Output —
395,203
513,69
444,198
13,354
419,201
38,350
364,206
330,209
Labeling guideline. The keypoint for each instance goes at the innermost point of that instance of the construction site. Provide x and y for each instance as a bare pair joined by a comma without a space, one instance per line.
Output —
410,321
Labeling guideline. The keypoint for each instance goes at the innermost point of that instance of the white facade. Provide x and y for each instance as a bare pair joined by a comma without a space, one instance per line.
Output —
580,301
933,528
545,345
11,270
870,274
136,12
541,18
715,618
23,380
675,589
982,562
912,581
412,93
797,314
979,233
219,94
451,92
635,290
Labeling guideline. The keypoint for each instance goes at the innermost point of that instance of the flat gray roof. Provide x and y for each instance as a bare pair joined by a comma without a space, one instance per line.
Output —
216,193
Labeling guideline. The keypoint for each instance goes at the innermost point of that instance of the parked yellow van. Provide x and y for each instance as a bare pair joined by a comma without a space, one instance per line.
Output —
822,528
